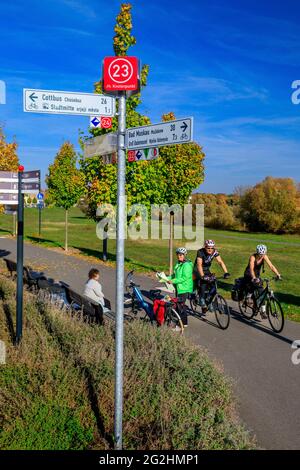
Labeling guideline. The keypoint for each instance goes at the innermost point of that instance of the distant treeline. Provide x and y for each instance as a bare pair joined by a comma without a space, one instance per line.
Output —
272,205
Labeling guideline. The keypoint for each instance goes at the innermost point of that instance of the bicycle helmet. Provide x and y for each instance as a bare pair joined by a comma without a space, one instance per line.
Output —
209,244
261,249
181,251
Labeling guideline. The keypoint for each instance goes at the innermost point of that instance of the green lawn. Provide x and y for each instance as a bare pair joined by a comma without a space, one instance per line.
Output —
148,255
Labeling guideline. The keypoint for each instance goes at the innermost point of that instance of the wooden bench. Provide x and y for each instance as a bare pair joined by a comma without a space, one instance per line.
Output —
29,276
11,266
93,312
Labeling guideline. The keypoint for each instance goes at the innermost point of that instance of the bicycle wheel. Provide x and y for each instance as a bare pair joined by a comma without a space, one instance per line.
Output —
173,320
247,307
222,311
275,315
194,303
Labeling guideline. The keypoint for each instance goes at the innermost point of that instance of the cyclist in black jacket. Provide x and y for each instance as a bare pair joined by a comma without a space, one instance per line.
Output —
203,261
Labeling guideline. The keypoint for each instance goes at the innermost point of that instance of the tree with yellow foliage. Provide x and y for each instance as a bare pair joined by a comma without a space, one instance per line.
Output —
9,160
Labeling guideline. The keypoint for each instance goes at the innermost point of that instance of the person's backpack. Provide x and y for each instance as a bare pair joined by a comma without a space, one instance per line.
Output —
159,307
237,292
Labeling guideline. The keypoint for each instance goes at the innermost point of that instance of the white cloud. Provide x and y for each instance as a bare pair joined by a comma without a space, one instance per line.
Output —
81,7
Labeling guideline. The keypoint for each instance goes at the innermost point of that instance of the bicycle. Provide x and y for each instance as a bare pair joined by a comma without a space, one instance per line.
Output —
141,309
252,303
215,302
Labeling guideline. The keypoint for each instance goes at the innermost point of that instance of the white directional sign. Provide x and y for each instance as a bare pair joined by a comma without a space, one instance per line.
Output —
67,102
9,199
156,135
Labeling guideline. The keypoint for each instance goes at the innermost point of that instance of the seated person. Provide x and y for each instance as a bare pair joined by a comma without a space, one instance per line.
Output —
93,289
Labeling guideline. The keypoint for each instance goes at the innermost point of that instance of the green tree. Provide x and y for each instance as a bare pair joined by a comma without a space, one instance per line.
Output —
271,206
65,182
169,179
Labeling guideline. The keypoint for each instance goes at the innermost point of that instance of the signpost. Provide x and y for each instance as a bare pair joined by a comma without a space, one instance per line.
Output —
13,185
20,258
120,77
67,102
164,133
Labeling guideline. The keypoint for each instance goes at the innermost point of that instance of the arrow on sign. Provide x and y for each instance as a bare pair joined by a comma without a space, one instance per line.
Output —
184,126
33,97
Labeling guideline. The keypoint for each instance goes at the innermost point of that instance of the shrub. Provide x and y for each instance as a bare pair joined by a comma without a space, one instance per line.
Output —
271,206
219,211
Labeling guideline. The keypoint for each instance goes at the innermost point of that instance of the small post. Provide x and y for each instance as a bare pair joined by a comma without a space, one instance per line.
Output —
121,208
14,224
20,258
104,245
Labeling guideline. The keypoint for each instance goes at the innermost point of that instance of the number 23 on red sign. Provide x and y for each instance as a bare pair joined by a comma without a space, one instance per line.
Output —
120,74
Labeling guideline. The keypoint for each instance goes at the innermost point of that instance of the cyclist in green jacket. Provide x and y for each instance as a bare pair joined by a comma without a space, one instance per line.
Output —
183,282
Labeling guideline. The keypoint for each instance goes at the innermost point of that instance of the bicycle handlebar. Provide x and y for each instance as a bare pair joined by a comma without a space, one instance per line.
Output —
266,279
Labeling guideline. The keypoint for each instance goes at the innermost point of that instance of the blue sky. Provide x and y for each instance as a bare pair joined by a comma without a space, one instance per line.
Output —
229,63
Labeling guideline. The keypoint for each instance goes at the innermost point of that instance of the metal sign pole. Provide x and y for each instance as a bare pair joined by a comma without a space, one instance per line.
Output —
20,256
121,211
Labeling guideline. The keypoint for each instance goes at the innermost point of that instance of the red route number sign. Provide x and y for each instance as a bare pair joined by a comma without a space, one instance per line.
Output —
120,74
106,122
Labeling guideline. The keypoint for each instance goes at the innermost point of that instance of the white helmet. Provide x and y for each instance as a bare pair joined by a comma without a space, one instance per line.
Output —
209,244
261,249
181,251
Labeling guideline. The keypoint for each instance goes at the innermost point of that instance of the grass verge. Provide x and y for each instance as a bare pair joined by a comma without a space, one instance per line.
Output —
57,387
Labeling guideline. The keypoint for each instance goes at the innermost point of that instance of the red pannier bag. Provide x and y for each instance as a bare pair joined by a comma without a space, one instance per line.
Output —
159,307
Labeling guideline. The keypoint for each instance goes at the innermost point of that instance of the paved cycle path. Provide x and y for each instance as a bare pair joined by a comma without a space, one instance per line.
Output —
266,383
